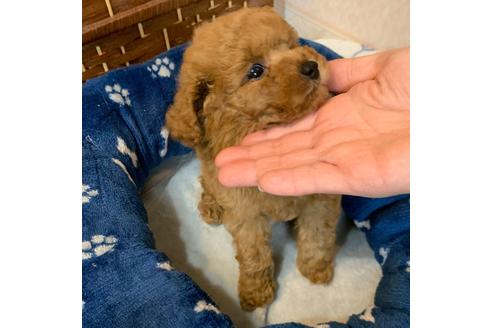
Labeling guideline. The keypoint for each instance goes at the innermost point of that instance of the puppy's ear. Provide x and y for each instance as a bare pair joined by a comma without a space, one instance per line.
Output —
184,119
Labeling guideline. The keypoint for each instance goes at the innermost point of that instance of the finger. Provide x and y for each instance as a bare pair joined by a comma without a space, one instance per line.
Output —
231,154
304,124
286,161
244,173
346,72
286,144
238,174
319,177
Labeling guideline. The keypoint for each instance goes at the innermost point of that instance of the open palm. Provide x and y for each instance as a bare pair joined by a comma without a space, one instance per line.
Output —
357,143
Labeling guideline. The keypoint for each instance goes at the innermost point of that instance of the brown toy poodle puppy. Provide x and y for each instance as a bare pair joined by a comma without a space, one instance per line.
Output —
242,73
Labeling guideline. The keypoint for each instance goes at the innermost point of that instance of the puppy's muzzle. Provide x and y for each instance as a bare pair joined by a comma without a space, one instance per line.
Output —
310,69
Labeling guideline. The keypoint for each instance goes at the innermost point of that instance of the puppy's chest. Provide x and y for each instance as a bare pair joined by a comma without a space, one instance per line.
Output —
280,210
250,200
274,207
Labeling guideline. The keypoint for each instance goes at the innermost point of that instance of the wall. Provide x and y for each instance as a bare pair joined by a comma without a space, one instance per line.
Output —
383,24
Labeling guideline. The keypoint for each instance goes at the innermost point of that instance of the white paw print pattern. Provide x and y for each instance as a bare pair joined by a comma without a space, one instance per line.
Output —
97,246
165,136
322,325
123,168
123,148
88,193
165,266
117,94
161,67
367,315
204,306
384,251
363,224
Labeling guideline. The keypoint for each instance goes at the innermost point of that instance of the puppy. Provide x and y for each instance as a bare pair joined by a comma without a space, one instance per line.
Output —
242,73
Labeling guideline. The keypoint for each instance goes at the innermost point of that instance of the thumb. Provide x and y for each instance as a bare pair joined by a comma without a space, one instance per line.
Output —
346,72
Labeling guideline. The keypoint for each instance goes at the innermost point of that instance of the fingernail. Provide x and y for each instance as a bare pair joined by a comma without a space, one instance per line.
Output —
260,189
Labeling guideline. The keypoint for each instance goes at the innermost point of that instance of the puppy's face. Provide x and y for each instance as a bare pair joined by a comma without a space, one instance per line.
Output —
244,72
277,85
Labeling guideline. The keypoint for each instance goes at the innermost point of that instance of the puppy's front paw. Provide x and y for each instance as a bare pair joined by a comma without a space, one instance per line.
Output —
210,210
318,272
255,293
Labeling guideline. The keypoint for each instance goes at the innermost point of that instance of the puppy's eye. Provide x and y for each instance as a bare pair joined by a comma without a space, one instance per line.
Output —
255,72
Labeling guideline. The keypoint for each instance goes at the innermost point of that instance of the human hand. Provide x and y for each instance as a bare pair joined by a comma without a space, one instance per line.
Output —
356,144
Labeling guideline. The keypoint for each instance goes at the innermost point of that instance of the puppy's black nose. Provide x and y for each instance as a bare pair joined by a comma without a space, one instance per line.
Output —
309,68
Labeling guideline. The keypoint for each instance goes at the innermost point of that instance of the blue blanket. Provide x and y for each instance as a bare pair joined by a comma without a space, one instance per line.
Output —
126,282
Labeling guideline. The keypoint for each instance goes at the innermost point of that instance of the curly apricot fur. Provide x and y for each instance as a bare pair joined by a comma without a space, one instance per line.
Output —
216,106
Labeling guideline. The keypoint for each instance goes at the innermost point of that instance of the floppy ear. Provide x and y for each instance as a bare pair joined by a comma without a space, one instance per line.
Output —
184,119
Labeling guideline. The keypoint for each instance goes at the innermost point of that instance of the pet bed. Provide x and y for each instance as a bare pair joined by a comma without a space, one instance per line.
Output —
126,282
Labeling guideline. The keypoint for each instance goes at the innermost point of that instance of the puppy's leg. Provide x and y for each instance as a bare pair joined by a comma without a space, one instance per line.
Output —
210,210
316,236
251,237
